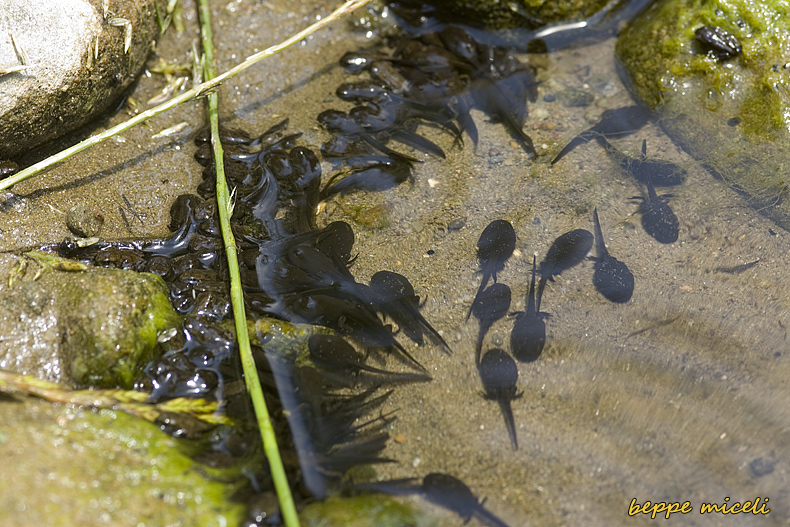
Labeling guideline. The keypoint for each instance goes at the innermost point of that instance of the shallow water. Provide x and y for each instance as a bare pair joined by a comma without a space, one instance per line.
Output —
678,395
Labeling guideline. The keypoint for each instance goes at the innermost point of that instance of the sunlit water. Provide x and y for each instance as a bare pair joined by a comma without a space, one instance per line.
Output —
678,395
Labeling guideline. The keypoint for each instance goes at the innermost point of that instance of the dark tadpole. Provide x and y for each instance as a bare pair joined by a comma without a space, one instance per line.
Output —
453,494
495,246
614,123
661,173
658,219
499,375
445,491
612,278
394,296
490,305
382,174
567,251
347,315
336,355
529,329
718,42
336,240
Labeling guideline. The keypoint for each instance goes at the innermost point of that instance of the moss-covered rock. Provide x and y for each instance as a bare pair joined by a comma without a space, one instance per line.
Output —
497,14
96,327
374,510
733,115
68,467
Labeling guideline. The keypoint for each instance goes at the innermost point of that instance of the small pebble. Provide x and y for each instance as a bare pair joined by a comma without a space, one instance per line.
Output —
575,98
84,220
8,168
456,225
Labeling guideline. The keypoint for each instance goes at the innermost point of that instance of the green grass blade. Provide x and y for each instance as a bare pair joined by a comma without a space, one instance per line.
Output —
287,507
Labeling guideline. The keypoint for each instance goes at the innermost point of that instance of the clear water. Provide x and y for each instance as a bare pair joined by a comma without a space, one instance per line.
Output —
678,395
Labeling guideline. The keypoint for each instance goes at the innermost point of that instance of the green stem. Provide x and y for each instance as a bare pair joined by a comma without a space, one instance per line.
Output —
196,92
279,478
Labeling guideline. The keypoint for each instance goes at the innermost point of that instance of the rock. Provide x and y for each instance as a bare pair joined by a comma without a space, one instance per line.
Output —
372,510
731,114
78,60
71,467
94,328
496,14
85,220
575,98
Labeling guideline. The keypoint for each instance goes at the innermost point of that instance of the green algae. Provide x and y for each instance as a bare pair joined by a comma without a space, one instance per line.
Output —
373,510
116,319
734,115
67,466
85,327
496,14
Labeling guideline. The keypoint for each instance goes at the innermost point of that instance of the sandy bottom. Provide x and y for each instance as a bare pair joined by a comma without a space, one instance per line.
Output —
678,395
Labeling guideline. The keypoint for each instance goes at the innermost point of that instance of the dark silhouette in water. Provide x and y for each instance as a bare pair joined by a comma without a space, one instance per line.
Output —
612,278
567,251
614,123
499,375
500,84
393,295
495,246
528,336
658,219
489,306
443,490
643,169
336,355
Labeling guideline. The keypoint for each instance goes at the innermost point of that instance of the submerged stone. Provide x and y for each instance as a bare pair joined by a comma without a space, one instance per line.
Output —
371,510
729,111
64,62
66,466
496,14
86,328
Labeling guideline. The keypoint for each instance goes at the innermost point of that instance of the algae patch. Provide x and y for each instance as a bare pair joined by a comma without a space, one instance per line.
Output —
71,467
732,115
520,13
96,327
374,510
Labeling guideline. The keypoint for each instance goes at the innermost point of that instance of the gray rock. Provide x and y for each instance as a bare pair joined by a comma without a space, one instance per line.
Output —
76,60
86,328
85,220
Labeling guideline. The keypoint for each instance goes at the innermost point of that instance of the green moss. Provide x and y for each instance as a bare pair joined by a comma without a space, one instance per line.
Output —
373,510
661,51
519,13
75,467
733,115
114,318
82,326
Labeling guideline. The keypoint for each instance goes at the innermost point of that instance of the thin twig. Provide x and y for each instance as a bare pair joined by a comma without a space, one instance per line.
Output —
236,294
196,92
